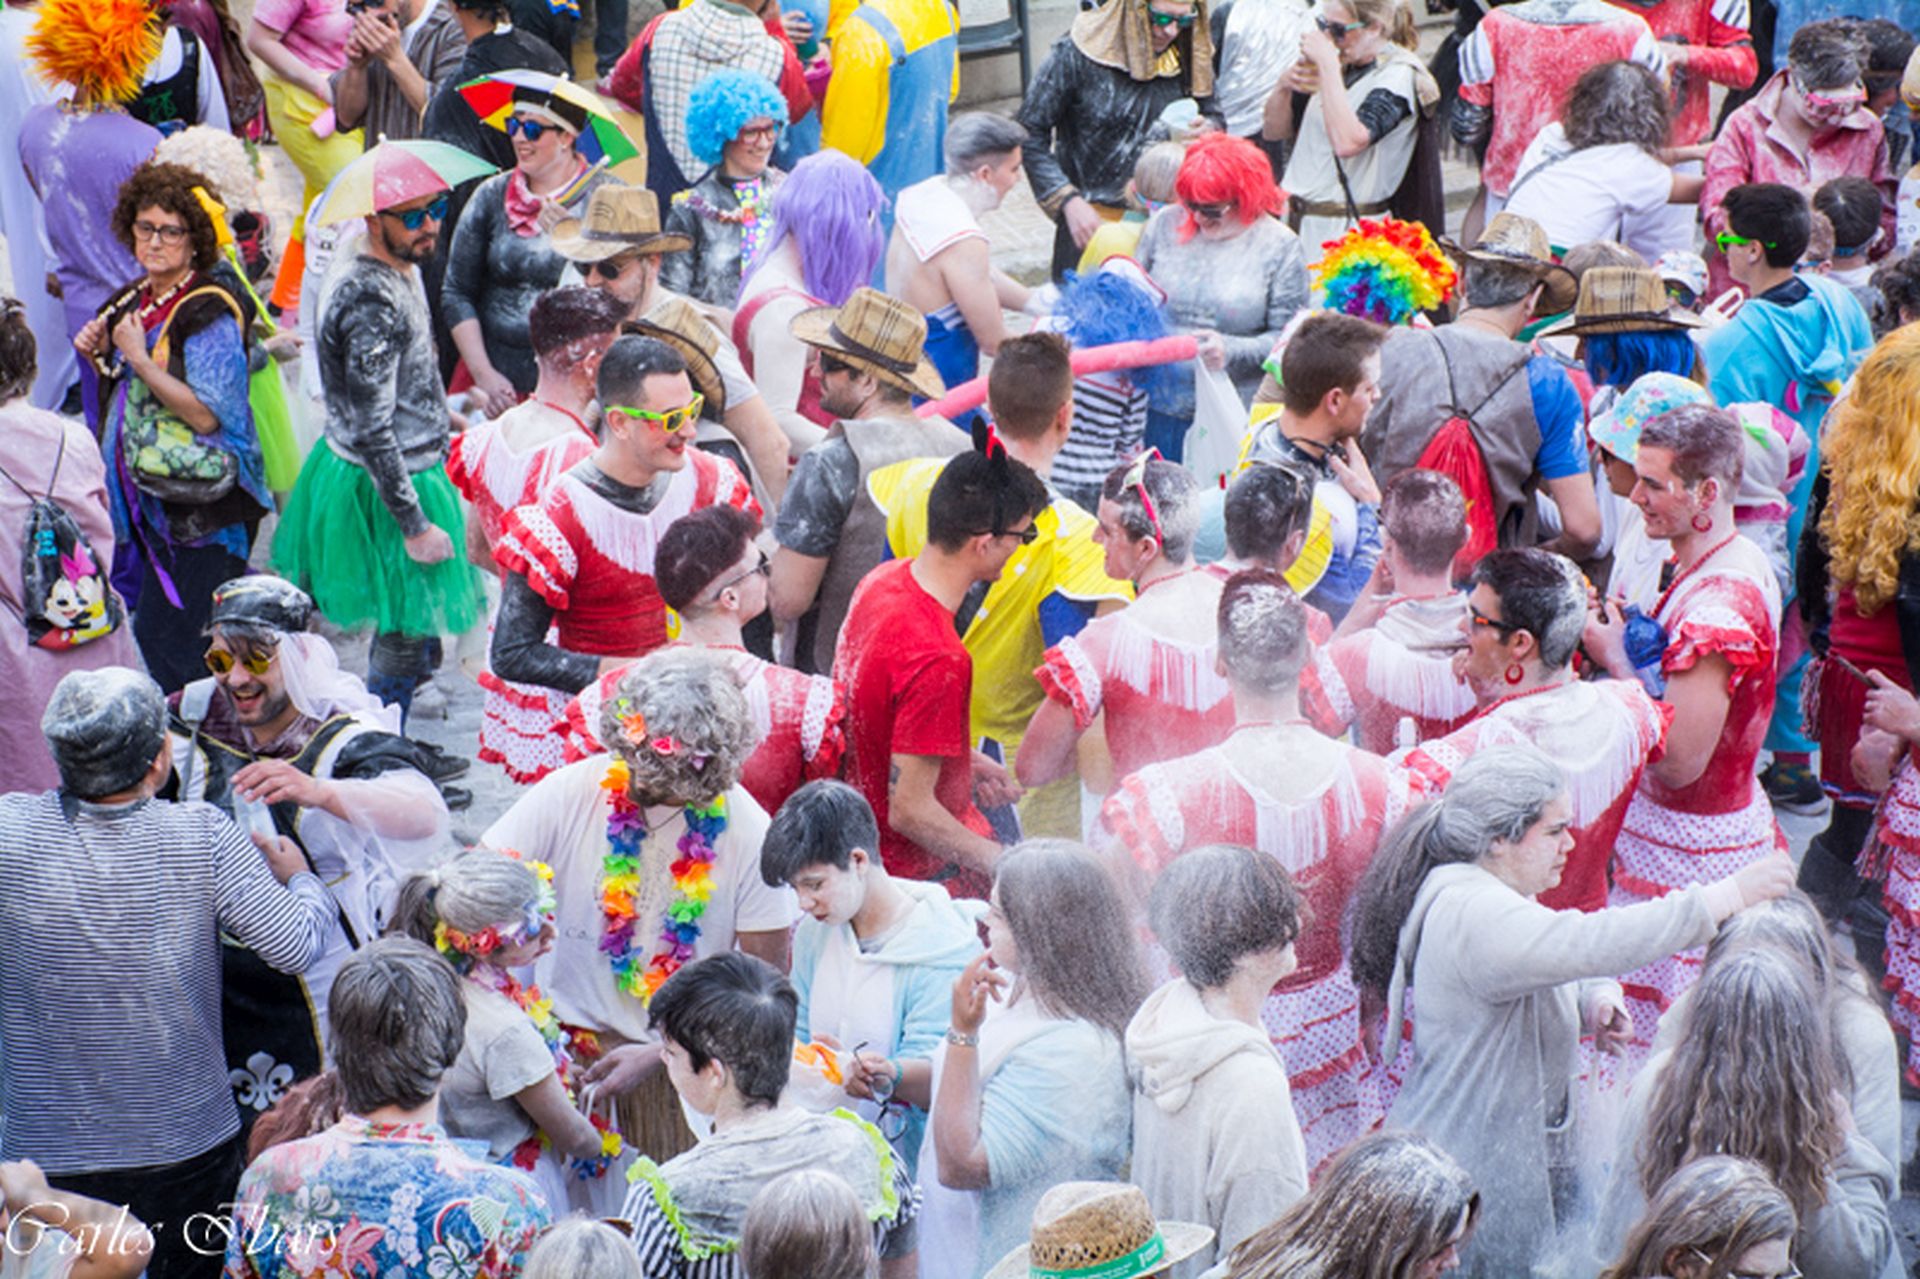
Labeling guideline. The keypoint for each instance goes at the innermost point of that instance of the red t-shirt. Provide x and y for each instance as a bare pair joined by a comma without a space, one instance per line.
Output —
908,682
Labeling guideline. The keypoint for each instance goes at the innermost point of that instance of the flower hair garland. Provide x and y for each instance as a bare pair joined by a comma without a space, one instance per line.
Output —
638,970
1384,270
461,949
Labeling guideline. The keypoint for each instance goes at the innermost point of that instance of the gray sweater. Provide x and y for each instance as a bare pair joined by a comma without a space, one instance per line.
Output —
1247,287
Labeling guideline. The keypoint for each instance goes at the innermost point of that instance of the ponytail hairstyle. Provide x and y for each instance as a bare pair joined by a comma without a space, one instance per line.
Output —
1496,795
480,902
19,355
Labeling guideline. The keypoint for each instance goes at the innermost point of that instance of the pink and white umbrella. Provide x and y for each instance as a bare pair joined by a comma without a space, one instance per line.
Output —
394,173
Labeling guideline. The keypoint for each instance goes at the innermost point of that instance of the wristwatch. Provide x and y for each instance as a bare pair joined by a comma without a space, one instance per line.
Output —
959,1040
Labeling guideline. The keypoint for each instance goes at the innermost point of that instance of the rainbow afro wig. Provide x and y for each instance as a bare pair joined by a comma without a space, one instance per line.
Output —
1384,270
725,103
100,47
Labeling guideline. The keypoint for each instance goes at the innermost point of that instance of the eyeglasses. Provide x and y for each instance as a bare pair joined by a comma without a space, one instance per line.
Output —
1210,212
1481,619
1136,479
220,661
1159,19
531,130
757,133
763,569
144,231
1337,30
1028,535
414,219
670,421
1727,239
1791,1272
610,268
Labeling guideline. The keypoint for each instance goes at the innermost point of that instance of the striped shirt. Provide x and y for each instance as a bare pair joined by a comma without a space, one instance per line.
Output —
1109,424
110,975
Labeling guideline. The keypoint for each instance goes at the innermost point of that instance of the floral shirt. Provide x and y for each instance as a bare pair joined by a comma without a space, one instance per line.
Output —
381,1201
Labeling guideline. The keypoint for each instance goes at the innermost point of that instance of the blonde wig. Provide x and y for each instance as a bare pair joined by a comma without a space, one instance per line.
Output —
1871,451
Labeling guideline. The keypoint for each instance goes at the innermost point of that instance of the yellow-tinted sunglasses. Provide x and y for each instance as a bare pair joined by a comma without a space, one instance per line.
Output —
220,661
670,421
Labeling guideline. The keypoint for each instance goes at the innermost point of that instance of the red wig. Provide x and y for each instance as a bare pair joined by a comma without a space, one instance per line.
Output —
1222,169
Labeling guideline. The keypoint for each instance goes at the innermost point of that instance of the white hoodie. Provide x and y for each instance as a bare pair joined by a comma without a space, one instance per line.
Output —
1215,1139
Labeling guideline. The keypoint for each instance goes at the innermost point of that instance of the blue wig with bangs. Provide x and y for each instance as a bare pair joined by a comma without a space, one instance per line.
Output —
1621,359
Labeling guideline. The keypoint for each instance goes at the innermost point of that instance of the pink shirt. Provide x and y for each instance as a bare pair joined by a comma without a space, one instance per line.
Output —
314,31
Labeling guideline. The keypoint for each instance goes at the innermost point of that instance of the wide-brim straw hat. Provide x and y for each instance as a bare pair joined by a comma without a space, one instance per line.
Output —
619,219
1511,240
1100,1225
1622,299
877,333
679,324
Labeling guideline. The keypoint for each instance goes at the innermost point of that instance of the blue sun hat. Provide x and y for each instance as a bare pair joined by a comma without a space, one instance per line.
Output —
1618,429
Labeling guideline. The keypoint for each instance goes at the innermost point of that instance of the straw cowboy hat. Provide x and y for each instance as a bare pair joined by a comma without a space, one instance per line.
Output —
1102,1227
879,334
1511,240
1622,299
679,324
619,219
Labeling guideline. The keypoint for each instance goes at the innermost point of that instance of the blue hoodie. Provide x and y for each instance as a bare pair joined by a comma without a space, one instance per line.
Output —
928,950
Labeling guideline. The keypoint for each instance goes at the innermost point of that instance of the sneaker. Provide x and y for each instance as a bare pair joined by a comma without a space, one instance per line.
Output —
1794,788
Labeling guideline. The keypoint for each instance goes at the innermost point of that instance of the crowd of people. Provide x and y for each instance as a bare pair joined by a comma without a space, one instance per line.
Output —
1258,754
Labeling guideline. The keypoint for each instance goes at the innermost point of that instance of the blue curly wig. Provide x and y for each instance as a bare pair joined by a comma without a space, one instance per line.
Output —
1099,309
722,104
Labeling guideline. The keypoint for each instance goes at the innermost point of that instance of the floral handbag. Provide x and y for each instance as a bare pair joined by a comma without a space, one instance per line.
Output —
166,457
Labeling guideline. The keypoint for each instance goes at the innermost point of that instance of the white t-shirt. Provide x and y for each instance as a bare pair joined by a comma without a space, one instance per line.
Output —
1601,193
562,821
502,1057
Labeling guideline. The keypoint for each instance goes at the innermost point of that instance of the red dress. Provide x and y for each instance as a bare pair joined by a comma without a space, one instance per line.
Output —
1162,699
516,722
1728,604
909,682
1602,735
592,562
1401,668
1324,840
798,718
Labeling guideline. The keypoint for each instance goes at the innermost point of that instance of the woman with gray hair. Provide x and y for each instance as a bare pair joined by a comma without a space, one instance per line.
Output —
581,1249
656,862
1150,666
1449,933
1526,611
939,261
807,1225
513,1086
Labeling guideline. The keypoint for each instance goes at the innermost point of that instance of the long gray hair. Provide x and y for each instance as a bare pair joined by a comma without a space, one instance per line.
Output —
680,721
1496,795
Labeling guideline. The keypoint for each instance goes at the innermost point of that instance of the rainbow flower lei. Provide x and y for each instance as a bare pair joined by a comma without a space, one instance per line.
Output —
1384,270
638,970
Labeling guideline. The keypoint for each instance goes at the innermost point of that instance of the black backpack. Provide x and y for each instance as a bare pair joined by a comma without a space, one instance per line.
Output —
67,600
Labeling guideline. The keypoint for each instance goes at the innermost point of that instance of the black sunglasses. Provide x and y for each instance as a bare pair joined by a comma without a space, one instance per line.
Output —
829,364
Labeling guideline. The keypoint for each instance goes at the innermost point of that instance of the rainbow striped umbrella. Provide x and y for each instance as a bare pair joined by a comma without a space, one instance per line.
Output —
495,97
395,172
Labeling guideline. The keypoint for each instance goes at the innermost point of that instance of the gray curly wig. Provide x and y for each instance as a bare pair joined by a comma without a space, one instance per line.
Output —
693,730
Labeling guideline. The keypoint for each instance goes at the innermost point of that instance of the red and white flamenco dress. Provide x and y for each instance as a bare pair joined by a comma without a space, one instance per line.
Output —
1401,668
1895,845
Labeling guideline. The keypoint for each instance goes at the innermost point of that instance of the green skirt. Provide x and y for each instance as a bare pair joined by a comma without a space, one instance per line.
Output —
338,542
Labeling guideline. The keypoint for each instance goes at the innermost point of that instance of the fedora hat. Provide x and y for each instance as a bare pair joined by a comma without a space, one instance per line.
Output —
877,333
1100,1227
619,219
679,324
1511,240
1622,299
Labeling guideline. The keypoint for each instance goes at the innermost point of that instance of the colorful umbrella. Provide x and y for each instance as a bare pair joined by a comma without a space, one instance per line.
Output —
495,97
394,173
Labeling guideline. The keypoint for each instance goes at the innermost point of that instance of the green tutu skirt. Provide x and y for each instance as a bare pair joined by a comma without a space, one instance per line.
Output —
338,542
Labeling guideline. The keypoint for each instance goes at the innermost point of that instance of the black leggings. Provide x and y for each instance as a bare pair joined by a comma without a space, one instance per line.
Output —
186,1206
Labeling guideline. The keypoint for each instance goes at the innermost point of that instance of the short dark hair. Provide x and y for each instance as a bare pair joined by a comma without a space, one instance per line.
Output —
1889,45
1425,514
1265,505
1705,442
559,318
1899,285
1219,902
398,1022
1773,213
19,354
629,362
1853,205
819,825
1541,593
168,187
734,1009
978,492
696,549
1263,630
1325,353
1031,378
1830,54
1618,102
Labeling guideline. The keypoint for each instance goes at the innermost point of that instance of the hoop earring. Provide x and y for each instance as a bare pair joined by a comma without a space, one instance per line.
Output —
1702,522
1515,673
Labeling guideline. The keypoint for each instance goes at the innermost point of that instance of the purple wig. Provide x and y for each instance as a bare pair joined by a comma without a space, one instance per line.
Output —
830,205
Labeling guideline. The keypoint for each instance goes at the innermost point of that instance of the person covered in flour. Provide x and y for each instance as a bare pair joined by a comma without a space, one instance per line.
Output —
286,742
938,259
875,962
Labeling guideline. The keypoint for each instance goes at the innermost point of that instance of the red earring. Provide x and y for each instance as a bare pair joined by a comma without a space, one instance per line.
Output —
1702,522
1516,673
